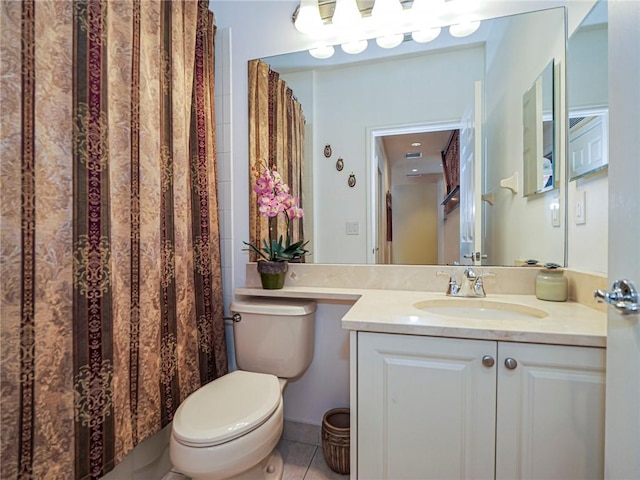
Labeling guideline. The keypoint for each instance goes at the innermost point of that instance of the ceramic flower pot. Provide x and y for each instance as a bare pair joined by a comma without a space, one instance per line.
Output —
272,274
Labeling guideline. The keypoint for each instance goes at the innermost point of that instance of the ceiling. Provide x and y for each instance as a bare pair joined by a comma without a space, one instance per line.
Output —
432,143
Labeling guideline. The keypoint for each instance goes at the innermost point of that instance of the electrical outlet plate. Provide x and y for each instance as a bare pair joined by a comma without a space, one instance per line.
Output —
353,228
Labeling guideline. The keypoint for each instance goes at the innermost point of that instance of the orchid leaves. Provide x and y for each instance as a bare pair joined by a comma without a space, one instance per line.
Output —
275,251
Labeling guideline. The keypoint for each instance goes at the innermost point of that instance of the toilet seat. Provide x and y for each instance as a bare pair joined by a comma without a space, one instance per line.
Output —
226,408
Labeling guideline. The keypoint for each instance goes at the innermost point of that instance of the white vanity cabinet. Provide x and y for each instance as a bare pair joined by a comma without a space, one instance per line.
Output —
442,408
550,412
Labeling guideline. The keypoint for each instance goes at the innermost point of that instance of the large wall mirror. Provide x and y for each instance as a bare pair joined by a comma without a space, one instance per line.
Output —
374,111
588,142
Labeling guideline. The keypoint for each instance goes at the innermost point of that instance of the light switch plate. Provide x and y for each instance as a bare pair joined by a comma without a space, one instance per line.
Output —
555,213
353,228
581,204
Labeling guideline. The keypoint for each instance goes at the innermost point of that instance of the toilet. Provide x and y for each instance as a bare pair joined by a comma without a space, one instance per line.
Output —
229,428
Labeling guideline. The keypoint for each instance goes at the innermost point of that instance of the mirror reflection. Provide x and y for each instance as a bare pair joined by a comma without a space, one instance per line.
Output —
588,183
474,87
537,123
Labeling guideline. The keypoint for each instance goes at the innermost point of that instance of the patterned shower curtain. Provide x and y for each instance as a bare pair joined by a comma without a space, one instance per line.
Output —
276,137
111,295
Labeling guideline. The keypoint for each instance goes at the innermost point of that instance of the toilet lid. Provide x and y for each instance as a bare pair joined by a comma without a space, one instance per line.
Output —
226,408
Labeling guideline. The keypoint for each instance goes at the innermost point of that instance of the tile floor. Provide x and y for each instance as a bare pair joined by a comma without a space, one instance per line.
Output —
305,461
302,461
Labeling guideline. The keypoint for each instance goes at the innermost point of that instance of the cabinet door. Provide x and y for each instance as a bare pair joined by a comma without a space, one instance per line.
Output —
426,408
550,415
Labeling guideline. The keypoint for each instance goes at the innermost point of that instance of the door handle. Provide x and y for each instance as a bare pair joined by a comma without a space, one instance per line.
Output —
623,295
476,255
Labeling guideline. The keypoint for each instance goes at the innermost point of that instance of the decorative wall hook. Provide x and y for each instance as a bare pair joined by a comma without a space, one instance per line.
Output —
352,180
510,183
327,150
340,164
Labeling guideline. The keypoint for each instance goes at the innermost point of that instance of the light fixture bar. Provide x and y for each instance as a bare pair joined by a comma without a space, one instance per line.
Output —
389,22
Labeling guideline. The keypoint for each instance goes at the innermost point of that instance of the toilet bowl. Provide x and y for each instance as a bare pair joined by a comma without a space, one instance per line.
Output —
229,428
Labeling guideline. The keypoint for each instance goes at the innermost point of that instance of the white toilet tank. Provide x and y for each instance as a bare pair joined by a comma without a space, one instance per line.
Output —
274,335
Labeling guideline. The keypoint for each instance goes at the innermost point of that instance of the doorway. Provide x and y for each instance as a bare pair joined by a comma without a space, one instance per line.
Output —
406,183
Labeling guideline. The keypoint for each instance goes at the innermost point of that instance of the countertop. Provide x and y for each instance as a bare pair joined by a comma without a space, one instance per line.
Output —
393,311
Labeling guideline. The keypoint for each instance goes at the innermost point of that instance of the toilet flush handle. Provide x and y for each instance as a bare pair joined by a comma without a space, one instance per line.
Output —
235,318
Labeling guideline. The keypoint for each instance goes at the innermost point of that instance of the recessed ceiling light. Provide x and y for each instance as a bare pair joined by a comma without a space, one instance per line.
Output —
414,170
416,144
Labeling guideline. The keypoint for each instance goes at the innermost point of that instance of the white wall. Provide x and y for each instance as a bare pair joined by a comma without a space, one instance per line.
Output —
587,68
521,227
588,242
415,224
325,385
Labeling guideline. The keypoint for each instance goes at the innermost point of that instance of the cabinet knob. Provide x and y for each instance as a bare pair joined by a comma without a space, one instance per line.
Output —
510,363
488,361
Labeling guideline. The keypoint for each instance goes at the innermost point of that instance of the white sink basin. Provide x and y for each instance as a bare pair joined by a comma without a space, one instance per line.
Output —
481,309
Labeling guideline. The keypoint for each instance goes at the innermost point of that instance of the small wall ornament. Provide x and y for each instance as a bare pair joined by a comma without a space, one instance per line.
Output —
340,164
352,180
327,150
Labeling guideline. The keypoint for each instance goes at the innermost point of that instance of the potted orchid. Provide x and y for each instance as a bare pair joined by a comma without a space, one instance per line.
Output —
274,198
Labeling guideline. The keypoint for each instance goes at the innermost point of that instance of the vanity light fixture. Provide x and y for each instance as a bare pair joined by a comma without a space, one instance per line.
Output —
425,36
346,15
308,19
386,14
464,28
388,22
354,46
390,41
322,52
346,19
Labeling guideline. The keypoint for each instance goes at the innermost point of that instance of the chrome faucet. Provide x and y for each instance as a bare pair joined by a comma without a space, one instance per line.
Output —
471,285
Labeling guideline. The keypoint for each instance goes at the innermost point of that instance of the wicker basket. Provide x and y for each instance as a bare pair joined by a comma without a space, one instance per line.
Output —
336,434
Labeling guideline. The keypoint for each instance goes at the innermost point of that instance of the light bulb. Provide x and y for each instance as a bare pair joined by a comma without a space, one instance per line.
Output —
386,10
464,29
346,14
322,52
420,6
354,47
308,20
426,35
390,41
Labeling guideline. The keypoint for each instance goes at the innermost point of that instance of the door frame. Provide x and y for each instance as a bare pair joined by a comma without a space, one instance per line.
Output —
371,169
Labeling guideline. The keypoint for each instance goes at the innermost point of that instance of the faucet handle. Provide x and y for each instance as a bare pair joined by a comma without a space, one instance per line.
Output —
478,287
452,287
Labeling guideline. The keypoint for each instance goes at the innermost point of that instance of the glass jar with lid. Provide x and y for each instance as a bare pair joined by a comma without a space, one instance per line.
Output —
551,284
